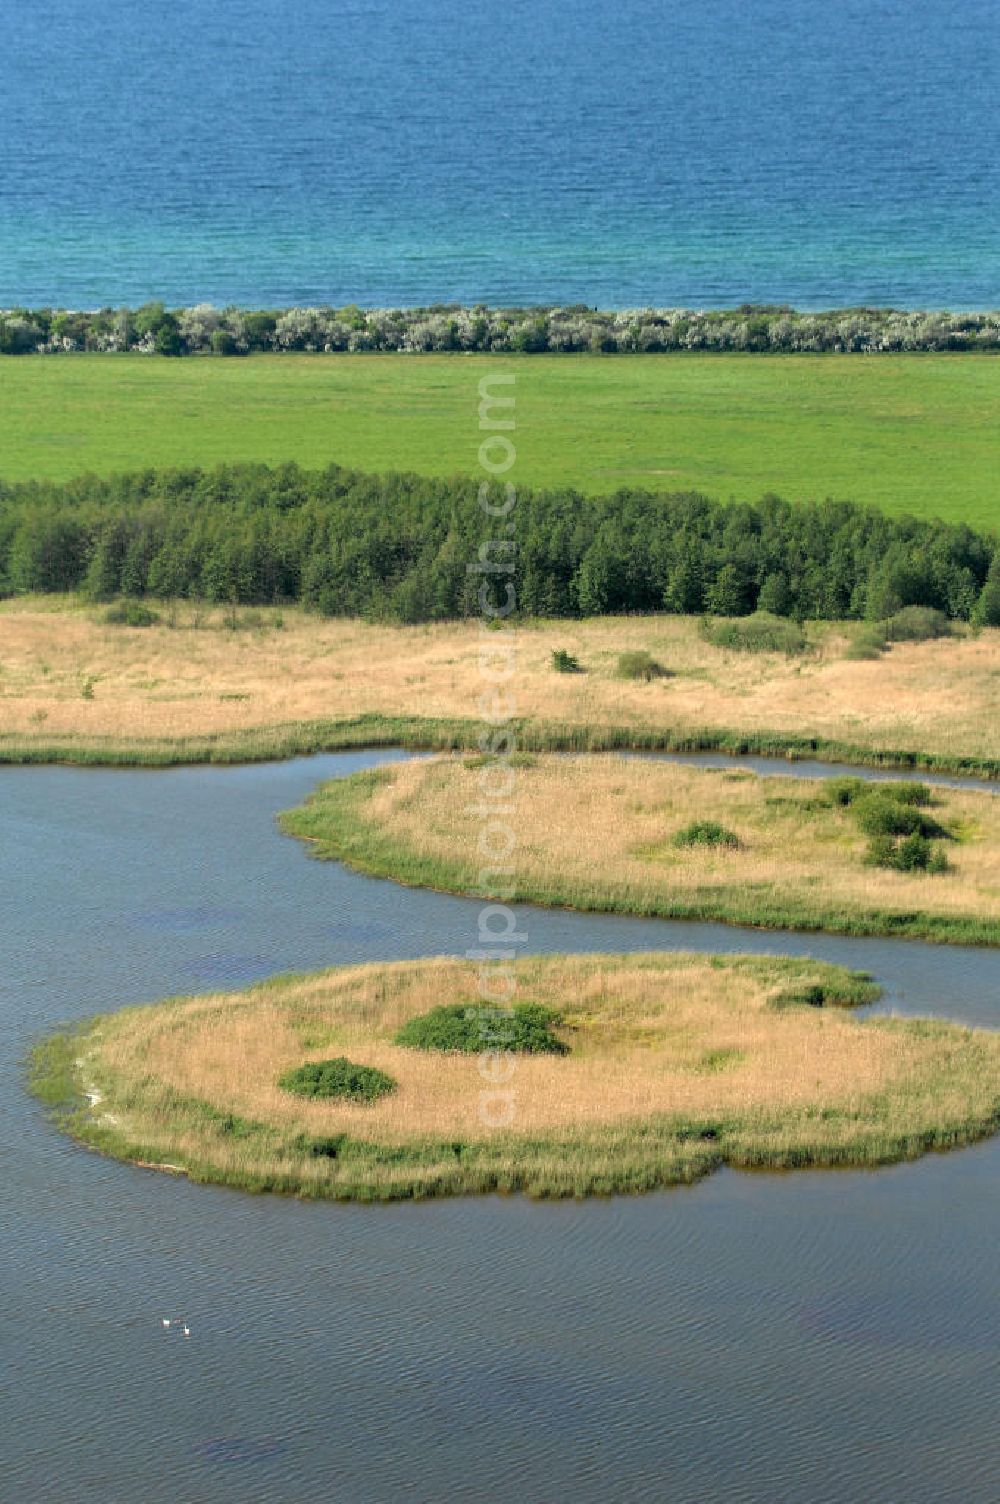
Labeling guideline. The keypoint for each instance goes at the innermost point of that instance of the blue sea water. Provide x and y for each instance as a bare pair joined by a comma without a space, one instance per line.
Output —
398,151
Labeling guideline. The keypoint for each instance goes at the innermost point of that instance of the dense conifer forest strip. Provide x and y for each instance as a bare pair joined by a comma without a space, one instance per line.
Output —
411,549
754,328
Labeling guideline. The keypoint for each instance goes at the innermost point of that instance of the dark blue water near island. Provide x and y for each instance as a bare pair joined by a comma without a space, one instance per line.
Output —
809,1338
400,151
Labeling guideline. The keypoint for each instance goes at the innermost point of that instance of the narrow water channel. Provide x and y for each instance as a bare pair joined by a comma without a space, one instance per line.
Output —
820,1337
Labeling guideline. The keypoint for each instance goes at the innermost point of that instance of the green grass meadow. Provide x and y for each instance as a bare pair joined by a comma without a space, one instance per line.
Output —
906,433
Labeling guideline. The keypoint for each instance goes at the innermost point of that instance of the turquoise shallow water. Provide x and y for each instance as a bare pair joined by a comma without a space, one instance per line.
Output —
795,1339
398,151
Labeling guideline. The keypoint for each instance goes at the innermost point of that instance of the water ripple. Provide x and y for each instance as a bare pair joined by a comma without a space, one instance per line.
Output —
804,1337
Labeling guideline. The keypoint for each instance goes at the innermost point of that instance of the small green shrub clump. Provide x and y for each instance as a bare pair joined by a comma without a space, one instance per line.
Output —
878,816
338,1078
707,833
130,614
639,665
565,663
856,989
885,814
891,815
848,791
844,791
909,793
915,853
869,643
759,633
911,624
916,624
525,1029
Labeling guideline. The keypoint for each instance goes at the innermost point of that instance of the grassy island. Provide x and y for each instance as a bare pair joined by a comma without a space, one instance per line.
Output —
205,684
669,1066
635,836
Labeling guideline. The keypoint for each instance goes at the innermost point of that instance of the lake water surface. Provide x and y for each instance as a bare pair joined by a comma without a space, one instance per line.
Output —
404,151
808,1338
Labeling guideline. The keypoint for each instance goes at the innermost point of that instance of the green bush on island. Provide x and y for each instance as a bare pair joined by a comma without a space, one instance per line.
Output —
891,814
915,853
761,632
844,791
639,665
848,790
525,1028
937,861
852,989
909,624
906,791
878,815
339,1077
868,644
707,833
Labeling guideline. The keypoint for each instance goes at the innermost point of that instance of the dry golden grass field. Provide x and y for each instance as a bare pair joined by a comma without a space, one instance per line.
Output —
194,686
676,1064
597,831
